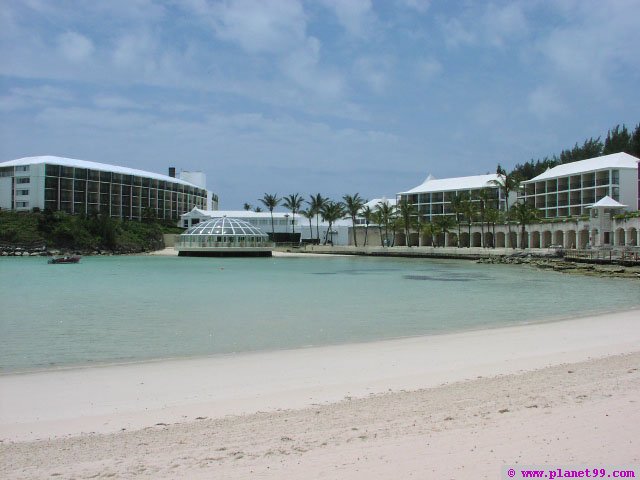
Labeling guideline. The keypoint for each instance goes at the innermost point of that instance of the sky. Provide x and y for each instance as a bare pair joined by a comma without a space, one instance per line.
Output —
327,96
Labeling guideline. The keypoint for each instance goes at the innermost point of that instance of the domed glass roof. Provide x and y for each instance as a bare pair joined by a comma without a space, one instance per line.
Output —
225,226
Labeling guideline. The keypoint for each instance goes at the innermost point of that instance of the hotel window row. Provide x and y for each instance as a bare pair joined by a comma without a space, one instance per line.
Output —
74,189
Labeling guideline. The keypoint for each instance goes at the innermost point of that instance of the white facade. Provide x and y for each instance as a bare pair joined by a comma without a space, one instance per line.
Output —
283,222
79,186
433,197
570,189
200,179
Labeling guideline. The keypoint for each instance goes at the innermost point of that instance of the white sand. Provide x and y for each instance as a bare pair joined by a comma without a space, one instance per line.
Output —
595,419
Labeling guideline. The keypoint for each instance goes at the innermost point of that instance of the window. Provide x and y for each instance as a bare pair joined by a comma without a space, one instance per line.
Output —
23,180
22,192
615,176
22,168
22,204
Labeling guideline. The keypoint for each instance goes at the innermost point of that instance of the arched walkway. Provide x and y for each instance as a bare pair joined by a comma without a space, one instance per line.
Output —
488,240
632,237
535,239
477,239
558,237
546,239
570,239
464,240
583,239
620,237
514,239
500,240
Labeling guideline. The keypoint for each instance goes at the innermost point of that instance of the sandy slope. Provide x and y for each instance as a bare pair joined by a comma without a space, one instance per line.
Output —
338,417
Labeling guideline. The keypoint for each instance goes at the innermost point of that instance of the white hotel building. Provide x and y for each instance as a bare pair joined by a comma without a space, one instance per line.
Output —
433,197
570,189
79,186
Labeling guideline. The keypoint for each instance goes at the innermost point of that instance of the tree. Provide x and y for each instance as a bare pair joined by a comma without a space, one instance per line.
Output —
257,209
430,229
367,214
387,212
308,214
525,214
457,205
293,202
493,216
484,197
247,206
353,204
271,201
618,140
376,218
634,143
316,203
506,184
331,211
469,208
407,213
444,224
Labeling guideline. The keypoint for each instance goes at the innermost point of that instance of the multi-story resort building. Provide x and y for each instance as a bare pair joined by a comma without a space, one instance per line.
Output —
434,197
79,186
570,189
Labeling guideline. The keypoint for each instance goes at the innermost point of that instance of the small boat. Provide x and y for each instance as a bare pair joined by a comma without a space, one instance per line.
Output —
65,259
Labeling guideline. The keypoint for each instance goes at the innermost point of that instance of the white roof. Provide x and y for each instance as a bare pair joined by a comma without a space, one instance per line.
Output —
104,167
432,184
607,202
373,204
241,214
615,160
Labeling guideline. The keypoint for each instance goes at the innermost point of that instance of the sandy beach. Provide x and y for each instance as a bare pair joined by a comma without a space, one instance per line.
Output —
462,405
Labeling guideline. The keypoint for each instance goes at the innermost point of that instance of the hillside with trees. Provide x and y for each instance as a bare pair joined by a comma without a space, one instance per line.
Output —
618,139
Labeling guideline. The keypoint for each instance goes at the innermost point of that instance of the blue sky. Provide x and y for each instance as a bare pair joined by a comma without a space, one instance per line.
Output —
329,96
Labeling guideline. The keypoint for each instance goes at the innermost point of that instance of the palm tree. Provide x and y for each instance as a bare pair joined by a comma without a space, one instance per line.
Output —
247,206
469,208
407,214
308,214
257,209
484,196
271,201
353,204
331,211
506,183
457,205
315,205
367,214
293,202
387,212
430,229
493,216
376,218
525,214
444,223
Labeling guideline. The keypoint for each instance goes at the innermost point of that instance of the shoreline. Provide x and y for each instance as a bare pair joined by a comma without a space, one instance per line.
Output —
105,399
156,360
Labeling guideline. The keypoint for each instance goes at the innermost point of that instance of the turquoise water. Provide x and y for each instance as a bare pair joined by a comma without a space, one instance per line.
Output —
115,309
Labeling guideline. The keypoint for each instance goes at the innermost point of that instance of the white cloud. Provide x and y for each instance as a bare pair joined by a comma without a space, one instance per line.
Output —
504,23
20,98
419,5
115,102
374,71
74,46
456,34
355,16
258,26
594,41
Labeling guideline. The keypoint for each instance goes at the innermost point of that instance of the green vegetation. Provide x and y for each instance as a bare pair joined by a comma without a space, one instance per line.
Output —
618,139
79,233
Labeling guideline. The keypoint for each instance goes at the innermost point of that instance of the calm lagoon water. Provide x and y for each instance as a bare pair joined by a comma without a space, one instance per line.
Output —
118,309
